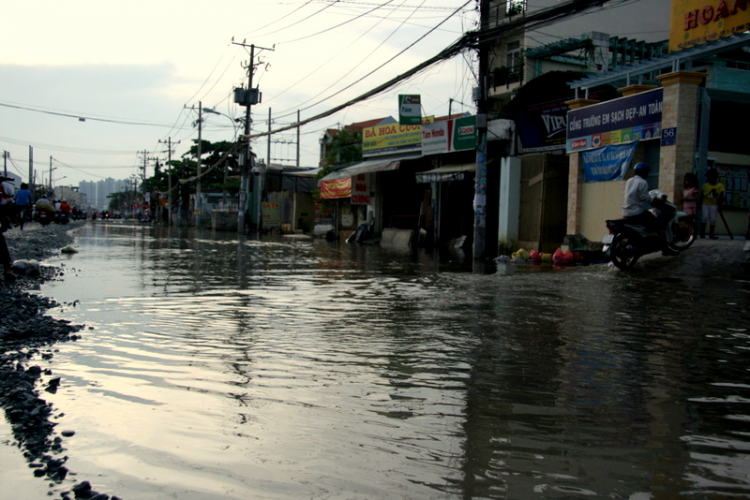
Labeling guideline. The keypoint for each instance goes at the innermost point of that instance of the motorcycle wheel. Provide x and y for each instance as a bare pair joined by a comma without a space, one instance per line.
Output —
683,232
624,251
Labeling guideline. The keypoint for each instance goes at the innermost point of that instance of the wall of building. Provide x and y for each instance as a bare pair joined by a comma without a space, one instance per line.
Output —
647,21
601,201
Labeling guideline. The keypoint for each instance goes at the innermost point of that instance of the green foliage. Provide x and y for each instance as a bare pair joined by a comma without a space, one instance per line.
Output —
345,147
120,201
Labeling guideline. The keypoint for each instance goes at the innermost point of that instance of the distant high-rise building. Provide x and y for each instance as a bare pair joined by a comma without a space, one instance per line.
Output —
97,193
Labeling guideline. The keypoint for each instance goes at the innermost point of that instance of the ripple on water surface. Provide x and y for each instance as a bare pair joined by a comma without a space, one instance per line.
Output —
287,369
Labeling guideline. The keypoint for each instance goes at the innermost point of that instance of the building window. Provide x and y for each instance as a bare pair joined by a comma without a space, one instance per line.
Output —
513,55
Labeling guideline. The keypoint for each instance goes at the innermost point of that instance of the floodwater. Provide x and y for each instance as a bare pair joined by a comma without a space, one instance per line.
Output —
284,368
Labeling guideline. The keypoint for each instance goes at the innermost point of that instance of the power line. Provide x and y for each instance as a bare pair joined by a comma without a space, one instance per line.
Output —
363,59
66,149
469,40
254,33
340,24
82,117
391,60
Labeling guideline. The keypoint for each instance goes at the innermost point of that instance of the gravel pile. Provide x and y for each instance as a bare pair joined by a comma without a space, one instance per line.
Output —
27,334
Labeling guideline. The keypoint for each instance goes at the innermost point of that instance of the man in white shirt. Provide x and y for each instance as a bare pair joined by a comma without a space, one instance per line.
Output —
634,208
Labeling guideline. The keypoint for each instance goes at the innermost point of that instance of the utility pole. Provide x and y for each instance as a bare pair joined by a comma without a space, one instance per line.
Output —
5,164
298,132
169,179
50,174
154,194
31,170
198,169
246,160
480,180
268,155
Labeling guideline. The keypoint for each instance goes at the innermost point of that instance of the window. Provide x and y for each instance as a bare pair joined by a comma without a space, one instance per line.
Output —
513,51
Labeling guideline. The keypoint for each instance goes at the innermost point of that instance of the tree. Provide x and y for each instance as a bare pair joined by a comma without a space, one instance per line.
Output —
120,201
345,147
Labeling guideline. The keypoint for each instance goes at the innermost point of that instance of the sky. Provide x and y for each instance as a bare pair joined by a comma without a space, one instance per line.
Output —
93,85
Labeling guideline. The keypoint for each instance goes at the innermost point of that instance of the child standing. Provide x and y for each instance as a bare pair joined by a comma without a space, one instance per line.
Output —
712,194
690,194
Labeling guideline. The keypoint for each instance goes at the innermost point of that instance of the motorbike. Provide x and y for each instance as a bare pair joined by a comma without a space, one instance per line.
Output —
61,217
628,241
43,217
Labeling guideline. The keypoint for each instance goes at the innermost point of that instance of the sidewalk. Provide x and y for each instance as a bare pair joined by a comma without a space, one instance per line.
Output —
722,258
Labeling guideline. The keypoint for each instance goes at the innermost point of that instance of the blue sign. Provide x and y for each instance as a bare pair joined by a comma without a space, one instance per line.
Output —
619,121
668,136
608,163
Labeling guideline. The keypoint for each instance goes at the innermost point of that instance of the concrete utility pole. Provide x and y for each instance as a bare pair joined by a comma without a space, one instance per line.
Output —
5,164
198,170
169,179
31,170
247,161
247,164
50,174
298,132
268,154
480,181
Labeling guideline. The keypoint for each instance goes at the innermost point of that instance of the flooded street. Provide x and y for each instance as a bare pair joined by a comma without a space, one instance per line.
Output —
292,368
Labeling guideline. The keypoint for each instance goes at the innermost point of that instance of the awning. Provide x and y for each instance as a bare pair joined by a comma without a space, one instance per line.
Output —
447,173
366,167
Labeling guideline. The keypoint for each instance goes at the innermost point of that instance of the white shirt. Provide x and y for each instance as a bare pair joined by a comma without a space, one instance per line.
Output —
636,193
7,193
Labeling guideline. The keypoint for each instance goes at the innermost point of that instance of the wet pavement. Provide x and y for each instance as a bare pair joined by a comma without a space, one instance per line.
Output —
288,368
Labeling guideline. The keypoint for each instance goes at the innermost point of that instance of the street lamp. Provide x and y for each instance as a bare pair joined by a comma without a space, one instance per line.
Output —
201,111
57,179
234,122
51,169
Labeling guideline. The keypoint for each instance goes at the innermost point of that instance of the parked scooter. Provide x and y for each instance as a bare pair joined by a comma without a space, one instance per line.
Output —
43,217
628,241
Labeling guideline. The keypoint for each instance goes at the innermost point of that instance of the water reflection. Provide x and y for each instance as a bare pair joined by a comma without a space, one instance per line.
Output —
245,368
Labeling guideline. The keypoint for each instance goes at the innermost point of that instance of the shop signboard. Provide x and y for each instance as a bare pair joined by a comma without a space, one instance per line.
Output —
336,188
436,136
271,211
391,138
541,127
465,133
619,121
409,110
360,189
695,22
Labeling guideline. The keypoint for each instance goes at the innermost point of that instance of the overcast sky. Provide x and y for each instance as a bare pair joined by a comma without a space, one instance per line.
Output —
134,70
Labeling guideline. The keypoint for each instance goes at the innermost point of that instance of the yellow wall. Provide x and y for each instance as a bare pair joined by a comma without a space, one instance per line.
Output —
600,201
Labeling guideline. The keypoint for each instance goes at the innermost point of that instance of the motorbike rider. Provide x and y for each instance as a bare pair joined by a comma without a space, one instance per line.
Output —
7,190
22,204
636,196
44,204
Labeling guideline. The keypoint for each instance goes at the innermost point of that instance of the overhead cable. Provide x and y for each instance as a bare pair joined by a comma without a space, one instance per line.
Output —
470,40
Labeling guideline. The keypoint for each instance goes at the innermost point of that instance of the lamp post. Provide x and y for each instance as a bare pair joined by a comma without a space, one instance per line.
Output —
57,179
51,169
234,139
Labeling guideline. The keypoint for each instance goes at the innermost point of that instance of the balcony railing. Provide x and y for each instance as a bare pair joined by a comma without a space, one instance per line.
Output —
502,12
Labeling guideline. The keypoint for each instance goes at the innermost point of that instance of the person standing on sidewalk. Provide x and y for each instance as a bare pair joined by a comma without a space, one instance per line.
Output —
712,196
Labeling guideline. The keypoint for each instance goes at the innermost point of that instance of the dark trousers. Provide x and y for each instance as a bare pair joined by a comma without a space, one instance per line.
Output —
5,259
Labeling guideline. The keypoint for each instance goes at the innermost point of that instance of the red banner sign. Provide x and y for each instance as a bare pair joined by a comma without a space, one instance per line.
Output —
336,188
